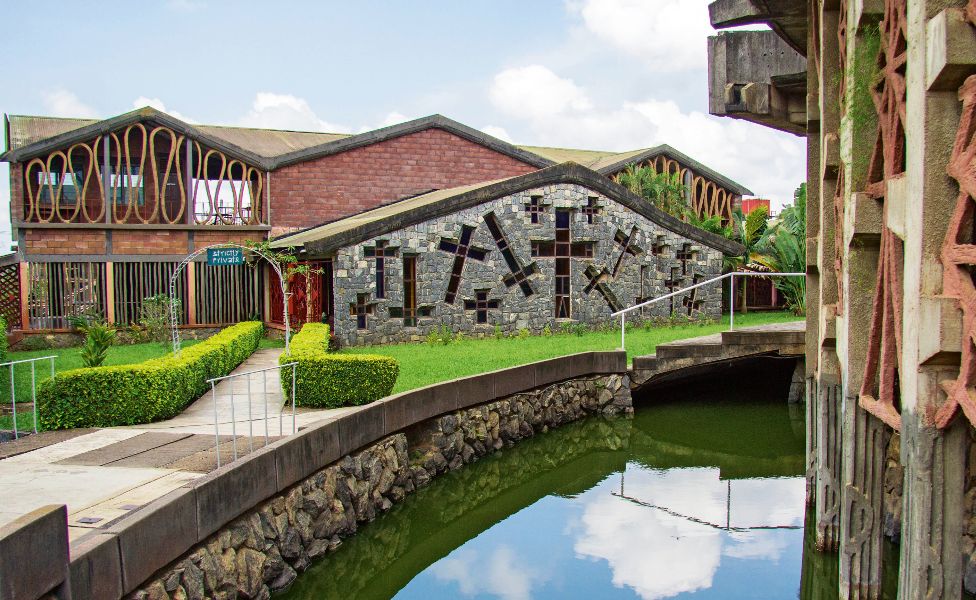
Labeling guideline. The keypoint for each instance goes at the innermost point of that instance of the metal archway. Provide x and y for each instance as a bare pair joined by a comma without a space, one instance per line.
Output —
174,326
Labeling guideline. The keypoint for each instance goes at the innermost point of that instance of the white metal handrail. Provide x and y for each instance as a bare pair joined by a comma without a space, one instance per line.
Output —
250,420
13,394
730,276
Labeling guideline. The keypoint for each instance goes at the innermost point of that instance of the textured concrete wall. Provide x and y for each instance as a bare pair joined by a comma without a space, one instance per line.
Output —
356,274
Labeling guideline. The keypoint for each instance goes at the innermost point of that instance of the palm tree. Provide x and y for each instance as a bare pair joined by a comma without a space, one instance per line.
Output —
663,190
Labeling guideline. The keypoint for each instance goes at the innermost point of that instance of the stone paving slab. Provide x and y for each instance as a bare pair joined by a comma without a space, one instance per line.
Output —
72,447
103,513
166,454
35,441
124,449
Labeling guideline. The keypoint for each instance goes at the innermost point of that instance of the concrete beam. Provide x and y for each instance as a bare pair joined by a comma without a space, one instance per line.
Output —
950,50
34,554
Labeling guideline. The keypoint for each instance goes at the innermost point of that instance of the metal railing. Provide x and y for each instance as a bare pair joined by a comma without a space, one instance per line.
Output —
250,408
13,387
730,276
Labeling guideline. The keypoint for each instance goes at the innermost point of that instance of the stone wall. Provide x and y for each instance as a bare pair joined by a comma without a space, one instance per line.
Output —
656,257
263,550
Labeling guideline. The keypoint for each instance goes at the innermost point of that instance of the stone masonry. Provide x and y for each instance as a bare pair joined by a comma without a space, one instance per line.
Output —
619,258
264,550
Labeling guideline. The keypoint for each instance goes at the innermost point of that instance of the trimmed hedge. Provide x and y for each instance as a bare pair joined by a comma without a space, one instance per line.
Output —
143,392
333,380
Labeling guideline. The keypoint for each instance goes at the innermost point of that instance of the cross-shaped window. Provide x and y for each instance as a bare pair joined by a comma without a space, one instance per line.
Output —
563,249
598,281
687,253
535,208
461,249
591,209
518,274
360,308
628,245
481,305
380,252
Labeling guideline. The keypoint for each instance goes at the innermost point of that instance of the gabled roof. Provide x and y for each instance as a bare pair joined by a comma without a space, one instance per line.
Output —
327,238
270,149
29,137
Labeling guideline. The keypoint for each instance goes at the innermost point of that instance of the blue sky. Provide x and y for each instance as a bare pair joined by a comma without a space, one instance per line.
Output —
600,74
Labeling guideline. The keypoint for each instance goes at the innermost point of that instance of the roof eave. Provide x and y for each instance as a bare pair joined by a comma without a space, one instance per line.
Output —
401,129
141,114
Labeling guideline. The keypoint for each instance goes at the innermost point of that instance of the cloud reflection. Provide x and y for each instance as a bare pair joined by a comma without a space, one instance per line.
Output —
501,574
667,536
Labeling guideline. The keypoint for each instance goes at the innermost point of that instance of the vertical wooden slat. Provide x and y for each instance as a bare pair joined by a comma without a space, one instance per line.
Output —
110,292
24,293
191,293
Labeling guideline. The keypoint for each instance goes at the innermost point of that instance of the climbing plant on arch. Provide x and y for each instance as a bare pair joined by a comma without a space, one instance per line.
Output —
262,251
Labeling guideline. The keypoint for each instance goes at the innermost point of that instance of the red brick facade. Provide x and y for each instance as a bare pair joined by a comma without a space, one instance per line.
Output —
335,186
65,242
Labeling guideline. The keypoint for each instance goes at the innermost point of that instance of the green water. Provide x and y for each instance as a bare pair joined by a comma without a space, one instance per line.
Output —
701,498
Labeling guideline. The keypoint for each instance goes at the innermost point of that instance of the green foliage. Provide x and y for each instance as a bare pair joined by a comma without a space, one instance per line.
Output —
784,251
4,344
663,190
333,380
144,392
155,316
547,331
98,339
499,334
523,333
442,335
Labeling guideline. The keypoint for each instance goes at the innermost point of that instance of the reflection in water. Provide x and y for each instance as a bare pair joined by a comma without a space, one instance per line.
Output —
685,500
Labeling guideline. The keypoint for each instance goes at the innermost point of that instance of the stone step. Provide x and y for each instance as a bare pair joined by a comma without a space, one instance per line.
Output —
645,363
672,351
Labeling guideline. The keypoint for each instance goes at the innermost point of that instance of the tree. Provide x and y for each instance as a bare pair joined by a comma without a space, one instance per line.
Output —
783,249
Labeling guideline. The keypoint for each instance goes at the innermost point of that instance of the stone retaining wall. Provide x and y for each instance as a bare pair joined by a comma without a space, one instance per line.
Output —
263,550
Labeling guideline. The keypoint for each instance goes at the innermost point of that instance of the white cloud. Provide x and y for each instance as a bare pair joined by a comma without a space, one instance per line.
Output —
498,132
391,118
62,103
156,103
501,574
666,35
284,111
770,163
535,91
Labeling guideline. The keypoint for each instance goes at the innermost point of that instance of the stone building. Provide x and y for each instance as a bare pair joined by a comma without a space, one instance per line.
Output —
560,245
885,93
103,211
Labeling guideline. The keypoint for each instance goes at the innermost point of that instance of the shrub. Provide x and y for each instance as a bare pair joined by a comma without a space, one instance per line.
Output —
144,392
155,316
333,380
4,345
98,339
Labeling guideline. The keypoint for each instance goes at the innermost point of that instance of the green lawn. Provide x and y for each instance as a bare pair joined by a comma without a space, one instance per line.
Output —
423,364
66,358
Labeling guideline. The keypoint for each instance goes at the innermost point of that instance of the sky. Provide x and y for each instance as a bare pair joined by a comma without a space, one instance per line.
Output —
595,74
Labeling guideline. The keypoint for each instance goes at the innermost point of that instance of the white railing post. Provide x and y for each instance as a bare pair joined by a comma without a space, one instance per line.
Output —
623,334
732,300
294,366
34,391
13,401
213,396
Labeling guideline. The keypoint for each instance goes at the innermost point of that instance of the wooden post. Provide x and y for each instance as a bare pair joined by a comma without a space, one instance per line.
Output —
24,295
110,291
191,293
268,274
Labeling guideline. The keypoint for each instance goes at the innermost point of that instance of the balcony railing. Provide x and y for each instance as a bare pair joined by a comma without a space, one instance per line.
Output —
143,175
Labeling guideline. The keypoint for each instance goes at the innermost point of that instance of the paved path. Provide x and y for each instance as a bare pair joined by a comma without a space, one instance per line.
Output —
102,474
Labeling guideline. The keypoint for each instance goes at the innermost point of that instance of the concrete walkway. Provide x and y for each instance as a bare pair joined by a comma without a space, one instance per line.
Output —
103,474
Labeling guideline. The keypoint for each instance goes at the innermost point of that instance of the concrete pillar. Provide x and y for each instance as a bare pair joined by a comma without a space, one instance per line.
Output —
931,560
828,457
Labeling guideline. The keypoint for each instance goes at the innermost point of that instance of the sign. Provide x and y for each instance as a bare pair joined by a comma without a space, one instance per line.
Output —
222,257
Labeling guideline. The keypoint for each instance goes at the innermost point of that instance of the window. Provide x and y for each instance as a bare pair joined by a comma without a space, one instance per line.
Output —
128,182
69,182
409,291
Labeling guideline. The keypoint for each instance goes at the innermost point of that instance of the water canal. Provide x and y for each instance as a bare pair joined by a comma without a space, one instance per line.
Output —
691,498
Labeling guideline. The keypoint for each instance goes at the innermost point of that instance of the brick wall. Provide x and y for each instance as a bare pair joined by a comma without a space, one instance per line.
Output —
202,239
335,186
149,242
64,241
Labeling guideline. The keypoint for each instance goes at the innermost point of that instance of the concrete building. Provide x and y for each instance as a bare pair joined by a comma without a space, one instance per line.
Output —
103,211
885,93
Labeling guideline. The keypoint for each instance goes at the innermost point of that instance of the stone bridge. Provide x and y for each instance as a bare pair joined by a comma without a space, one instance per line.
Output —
712,355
